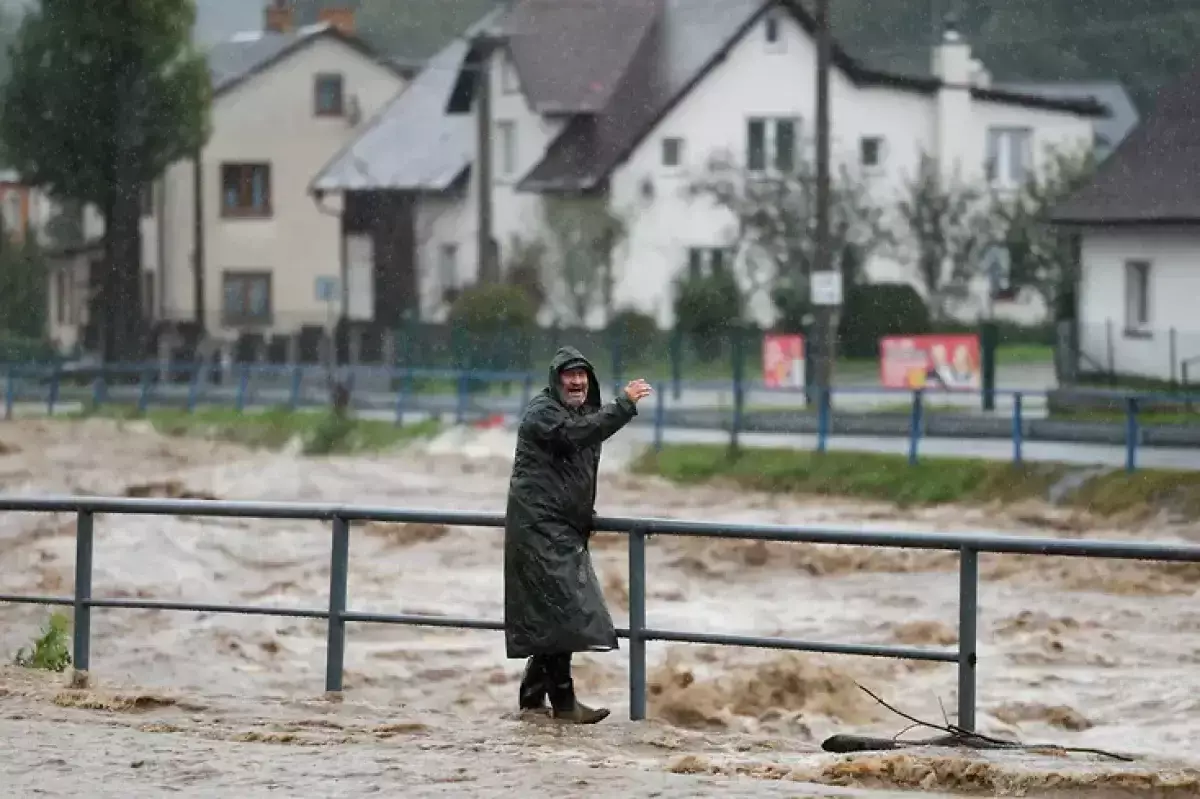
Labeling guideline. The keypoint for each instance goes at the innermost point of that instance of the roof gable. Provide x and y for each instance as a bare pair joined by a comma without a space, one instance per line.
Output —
1153,177
245,55
689,39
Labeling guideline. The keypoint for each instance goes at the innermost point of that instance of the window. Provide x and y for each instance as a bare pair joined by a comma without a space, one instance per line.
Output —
672,151
870,151
245,190
773,33
329,96
771,145
506,135
12,211
246,298
707,261
1009,155
447,267
1137,298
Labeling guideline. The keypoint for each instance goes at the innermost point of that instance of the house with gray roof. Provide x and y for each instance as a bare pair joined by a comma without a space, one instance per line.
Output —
286,98
1111,130
1138,222
628,102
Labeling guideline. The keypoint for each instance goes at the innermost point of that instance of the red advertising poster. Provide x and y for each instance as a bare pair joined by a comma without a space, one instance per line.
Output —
934,362
783,361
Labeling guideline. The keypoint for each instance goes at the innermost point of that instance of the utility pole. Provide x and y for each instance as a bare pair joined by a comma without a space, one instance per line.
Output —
489,268
826,272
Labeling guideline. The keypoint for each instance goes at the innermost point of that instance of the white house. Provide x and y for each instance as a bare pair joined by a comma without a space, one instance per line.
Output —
631,99
1139,226
284,102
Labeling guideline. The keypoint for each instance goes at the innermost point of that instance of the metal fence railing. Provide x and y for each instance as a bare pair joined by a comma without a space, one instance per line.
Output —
338,614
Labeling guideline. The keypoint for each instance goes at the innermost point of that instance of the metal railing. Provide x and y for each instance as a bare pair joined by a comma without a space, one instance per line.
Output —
337,614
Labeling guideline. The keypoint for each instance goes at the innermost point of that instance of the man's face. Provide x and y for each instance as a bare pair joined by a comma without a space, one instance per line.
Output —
574,386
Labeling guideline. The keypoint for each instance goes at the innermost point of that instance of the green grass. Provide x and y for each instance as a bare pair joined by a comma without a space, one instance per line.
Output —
1180,417
1024,354
932,481
51,650
320,432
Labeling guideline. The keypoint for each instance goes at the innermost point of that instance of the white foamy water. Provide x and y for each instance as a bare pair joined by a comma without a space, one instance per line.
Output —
1072,652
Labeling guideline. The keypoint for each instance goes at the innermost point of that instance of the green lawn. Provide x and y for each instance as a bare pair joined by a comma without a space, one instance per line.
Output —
932,481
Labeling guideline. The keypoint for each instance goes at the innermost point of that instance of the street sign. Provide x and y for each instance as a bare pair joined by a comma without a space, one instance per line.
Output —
825,288
326,289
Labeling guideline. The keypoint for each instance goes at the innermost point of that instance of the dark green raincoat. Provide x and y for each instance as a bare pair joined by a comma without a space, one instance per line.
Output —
552,599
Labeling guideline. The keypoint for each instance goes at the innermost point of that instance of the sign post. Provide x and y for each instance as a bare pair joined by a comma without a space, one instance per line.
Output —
997,265
825,293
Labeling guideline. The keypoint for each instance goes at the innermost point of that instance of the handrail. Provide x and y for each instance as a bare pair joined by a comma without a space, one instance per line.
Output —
336,614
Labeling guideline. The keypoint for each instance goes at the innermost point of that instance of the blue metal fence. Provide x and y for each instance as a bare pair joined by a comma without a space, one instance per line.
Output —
463,394
638,633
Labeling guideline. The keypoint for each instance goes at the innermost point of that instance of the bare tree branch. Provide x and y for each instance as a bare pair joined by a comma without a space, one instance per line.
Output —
584,234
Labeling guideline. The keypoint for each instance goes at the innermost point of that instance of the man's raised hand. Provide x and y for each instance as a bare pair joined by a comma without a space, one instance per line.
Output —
638,390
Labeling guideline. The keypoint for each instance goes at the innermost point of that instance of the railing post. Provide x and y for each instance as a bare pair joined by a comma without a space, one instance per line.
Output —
82,625
914,432
242,389
144,393
675,346
55,382
297,382
401,399
968,612
637,624
194,386
823,420
10,393
99,389
1131,434
660,410
1018,429
339,564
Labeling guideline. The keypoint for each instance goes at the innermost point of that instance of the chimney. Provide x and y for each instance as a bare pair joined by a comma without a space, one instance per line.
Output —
277,17
952,56
340,17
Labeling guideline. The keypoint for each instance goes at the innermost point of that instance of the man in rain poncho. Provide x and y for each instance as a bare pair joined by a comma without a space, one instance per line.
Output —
553,605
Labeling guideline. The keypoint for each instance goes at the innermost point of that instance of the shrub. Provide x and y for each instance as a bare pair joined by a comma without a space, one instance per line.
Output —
493,324
708,308
51,650
874,311
635,333
525,267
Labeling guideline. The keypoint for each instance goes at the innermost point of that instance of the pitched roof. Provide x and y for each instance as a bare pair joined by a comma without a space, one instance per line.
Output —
1153,177
687,40
243,55
570,56
1111,131
413,144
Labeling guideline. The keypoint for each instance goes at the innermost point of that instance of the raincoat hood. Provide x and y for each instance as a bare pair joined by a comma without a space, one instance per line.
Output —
566,358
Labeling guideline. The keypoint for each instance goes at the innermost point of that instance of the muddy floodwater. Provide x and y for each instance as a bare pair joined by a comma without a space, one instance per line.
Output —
1073,652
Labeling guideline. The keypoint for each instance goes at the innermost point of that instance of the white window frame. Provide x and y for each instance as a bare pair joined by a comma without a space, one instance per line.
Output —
999,163
700,260
1138,309
770,143
506,147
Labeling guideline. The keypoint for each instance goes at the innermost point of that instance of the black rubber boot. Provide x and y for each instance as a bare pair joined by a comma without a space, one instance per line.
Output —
568,708
534,685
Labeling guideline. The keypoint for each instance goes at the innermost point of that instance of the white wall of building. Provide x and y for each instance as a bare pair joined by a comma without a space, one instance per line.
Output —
761,79
1119,332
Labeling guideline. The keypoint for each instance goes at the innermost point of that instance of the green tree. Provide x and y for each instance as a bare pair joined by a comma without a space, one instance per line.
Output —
97,105
23,286
1042,257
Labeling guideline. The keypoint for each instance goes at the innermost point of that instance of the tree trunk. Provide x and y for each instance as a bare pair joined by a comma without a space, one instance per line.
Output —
123,323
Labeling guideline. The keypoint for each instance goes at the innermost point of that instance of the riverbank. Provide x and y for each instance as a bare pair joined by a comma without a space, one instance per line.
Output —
932,481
